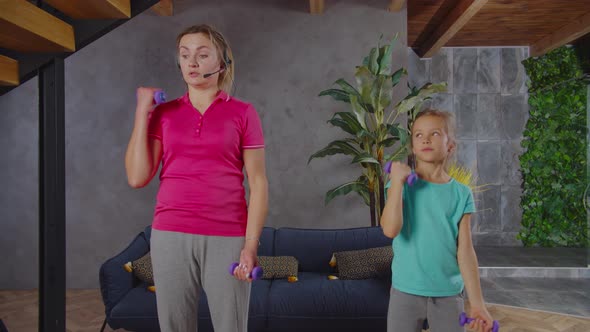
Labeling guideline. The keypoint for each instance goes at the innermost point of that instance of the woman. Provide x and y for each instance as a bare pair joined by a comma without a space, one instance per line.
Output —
201,221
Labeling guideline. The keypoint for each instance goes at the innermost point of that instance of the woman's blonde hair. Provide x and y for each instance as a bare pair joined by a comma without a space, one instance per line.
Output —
449,121
226,77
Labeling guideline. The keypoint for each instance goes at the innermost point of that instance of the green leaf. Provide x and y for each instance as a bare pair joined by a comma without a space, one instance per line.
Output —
365,195
336,147
364,134
343,125
358,110
388,142
385,59
373,61
396,133
382,93
401,153
348,123
337,94
347,87
408,105
364,191
399,132
364,81
397,76
365,158
350,120
345,189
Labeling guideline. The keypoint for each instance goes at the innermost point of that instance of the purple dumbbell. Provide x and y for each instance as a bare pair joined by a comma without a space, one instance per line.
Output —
159,97
254,275
410,180
464,319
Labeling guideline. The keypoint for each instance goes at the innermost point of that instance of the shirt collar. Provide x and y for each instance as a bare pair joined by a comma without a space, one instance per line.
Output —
221,96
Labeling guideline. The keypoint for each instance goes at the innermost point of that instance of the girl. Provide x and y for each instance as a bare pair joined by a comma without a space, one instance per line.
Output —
430,223
201,221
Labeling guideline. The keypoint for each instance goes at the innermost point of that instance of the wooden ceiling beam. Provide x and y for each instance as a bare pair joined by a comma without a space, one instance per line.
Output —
316,7
8,71
26,28
396,5
164,8
96,9
450,25
570,32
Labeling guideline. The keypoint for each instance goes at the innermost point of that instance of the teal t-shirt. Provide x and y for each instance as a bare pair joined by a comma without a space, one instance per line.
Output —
425,251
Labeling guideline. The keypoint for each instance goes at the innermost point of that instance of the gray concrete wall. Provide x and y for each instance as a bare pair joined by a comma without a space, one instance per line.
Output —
19,198
488,96
284,58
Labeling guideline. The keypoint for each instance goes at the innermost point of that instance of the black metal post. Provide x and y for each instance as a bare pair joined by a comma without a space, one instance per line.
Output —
52,219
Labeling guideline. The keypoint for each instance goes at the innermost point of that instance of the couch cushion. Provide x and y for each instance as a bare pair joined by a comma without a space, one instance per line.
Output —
267,242
148,232
313,248
365,263
376,238
278,267
328,304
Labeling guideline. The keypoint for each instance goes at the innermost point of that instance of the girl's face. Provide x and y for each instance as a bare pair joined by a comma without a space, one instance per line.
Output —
198,56
430,141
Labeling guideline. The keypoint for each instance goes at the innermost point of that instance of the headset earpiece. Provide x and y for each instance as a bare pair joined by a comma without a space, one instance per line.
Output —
226,59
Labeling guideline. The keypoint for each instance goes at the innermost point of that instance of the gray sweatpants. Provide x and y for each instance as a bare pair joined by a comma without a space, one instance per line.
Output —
183,264
407,312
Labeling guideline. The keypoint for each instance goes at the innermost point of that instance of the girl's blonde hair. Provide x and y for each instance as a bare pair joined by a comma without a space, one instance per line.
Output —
226,77
449,121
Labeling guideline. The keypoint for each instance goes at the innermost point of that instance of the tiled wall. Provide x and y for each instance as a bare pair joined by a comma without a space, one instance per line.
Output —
488,95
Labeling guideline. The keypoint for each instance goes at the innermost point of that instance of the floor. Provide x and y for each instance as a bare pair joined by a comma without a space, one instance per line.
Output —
563,295
523,277
85,313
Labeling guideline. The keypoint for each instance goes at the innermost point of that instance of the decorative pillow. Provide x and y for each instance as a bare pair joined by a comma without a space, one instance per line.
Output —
364,264
278,267
142,269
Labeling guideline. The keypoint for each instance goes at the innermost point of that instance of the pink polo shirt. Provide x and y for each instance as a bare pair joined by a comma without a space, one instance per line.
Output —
201,180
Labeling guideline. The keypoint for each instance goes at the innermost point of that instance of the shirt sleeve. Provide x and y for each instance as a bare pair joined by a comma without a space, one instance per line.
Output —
155,124
469,203
252,135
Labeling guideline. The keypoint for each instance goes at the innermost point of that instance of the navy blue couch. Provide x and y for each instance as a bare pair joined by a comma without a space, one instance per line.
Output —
314,303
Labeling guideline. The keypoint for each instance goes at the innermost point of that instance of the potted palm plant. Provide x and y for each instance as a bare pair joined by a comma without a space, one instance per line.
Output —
374,132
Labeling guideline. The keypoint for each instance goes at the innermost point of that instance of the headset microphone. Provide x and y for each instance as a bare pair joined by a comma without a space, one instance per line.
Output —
213,73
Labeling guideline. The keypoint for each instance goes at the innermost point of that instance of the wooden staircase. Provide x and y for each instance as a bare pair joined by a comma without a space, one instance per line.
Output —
33,33
35,38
